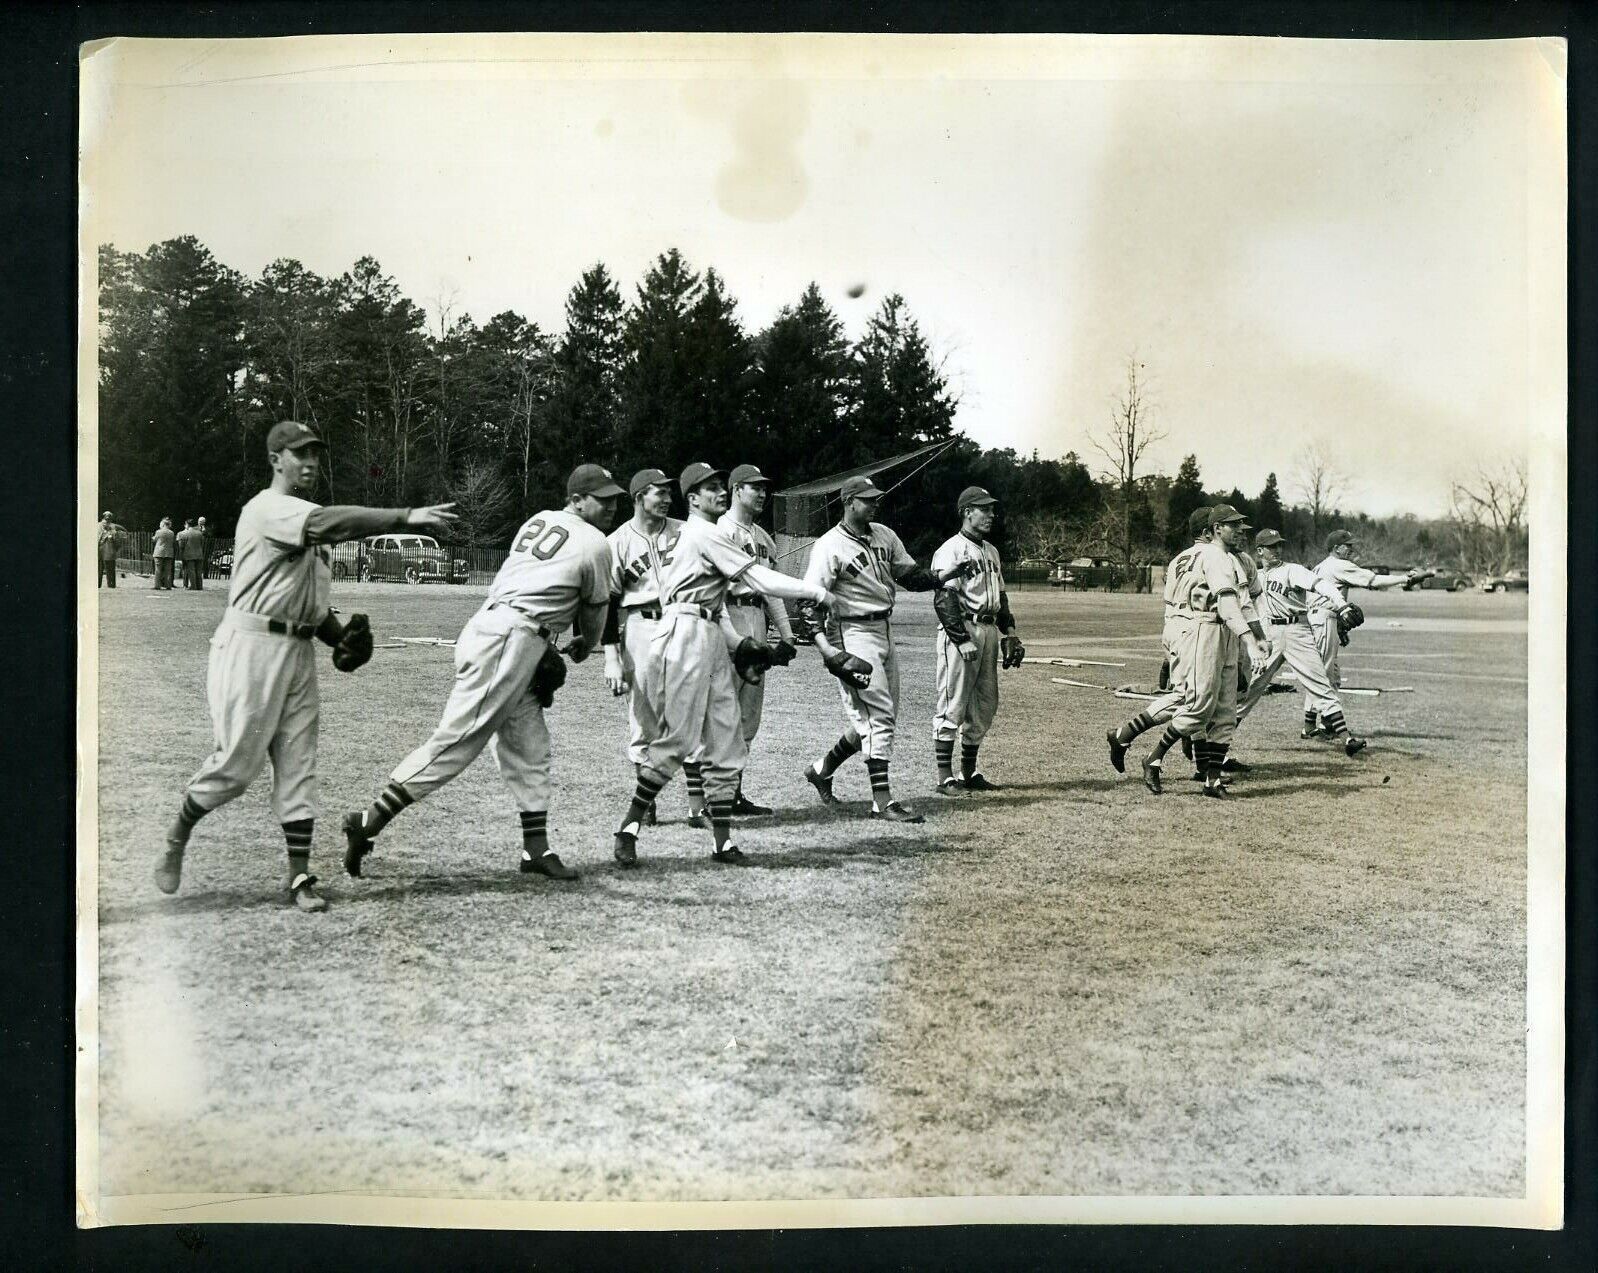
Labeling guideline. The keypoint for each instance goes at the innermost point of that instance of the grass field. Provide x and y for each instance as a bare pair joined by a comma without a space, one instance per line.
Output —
1065,987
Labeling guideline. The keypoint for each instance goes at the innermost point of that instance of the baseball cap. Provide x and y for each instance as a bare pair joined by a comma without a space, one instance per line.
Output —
592,479
1337,538
971,497
106,514
1267,539
1198,521
859,488
291,435
1225,513
747,473
644,479
694,474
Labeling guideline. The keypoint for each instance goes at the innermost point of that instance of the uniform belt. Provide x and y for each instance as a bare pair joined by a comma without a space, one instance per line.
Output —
753,600
876,616
538,627
982,616
697,611
643,612
278,627
1288,623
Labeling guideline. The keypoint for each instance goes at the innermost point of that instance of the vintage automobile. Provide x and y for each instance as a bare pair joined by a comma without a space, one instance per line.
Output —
1509,581
1087,572
401,558
1443,580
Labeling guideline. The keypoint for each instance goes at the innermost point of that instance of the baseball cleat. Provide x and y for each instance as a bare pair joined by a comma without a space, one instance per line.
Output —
950,787
649,815
1316,733
1216,792
169,869
1117,752
743,807
304,895
547,864
1353,746
822,785
732,855
893,811
1151,775
357,844
1232,765
1198,775
625,849
699,819
976,782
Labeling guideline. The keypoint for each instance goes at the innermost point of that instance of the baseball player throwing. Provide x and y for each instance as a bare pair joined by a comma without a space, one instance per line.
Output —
261,680
975,627
690,670
1331,634
864,563
507,671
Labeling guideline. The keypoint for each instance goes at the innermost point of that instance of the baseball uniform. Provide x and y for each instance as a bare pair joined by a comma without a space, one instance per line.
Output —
753,614
1209,649
968,692
1289,589
638,561
1342,575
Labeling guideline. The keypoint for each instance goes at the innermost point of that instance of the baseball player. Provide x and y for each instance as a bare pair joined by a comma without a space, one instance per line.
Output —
507,670
1288,588
640,550
864,563
1340,570
690,670
974,625
261,680
1178,621
753,614
1211,592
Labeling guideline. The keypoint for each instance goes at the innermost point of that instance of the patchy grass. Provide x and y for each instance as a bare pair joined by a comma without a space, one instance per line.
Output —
1068,986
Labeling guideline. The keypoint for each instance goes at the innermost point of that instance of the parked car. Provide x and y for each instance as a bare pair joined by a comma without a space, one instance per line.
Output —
220,565
1509,581
1087,572
407,558
1444,580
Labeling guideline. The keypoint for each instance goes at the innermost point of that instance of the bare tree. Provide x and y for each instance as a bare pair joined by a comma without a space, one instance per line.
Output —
1319,484
1488,517
1123,442
481,497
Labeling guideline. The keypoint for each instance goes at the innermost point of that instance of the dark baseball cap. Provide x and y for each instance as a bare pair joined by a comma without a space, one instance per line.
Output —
1338,538
644,479
1198,521
1225,513
291,435
972,497
859,488
695,474
748,473
1268,539
105,514
592,479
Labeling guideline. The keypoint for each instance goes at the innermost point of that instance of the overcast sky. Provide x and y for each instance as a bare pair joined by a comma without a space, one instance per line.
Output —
1303,242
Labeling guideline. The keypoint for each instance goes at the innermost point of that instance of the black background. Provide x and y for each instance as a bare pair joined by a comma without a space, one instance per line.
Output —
38,134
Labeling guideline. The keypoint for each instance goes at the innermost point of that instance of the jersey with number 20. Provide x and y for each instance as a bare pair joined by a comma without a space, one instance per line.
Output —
557,562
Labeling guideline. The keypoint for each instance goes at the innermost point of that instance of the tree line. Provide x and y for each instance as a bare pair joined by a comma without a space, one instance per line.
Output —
197,361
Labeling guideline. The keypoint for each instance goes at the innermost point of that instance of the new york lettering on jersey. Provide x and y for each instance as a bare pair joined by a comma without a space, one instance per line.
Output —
859,572
636,572
1287,591
556,562
1343,574
275,573
979,592
754,541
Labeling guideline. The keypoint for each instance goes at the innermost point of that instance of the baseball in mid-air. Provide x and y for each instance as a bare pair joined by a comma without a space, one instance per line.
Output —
856,291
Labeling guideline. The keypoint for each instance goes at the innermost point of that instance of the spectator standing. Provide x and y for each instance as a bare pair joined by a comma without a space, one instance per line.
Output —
110,540
163,552
203,532
189,550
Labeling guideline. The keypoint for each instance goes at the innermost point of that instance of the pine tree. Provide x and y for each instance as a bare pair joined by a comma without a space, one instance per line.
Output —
656,397
1268,506
1186,495
585,406
797,391
718,375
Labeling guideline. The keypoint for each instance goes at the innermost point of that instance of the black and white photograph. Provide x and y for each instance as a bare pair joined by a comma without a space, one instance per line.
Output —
734,631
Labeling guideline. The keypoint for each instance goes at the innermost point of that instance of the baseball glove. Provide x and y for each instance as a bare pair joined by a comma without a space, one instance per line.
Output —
782,653
1348,618
1012,650
851,669
354,648
548,676
751,659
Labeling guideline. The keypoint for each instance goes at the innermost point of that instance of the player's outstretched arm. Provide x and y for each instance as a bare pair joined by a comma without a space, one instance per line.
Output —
914,579
336,523
776,584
